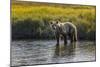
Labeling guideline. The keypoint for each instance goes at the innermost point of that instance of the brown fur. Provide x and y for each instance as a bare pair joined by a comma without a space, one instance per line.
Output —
66,29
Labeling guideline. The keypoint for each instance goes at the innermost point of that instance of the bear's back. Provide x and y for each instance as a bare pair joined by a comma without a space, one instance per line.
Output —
65,26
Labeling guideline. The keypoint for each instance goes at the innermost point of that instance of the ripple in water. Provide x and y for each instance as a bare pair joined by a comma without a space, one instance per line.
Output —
44,52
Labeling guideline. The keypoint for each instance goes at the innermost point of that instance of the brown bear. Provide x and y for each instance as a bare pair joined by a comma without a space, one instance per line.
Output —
66,29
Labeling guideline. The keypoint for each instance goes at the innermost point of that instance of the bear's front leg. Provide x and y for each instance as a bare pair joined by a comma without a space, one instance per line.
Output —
57,37
65,39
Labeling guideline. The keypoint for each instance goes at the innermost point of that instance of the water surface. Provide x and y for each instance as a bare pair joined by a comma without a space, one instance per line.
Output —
31,52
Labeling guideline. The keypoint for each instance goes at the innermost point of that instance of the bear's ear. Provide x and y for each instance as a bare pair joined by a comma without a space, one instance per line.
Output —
57,22
51,22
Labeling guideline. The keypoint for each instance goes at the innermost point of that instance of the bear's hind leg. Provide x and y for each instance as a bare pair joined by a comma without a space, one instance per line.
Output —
72,38
75,37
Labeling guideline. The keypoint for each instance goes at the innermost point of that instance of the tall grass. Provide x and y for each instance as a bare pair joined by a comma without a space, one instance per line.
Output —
31,20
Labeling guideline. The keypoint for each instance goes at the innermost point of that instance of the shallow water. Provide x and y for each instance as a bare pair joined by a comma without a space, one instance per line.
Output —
47,52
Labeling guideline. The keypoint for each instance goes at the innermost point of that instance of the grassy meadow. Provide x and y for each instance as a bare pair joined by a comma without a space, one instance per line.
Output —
30,20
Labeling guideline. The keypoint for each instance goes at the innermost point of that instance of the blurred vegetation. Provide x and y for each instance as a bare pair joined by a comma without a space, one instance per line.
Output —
31,20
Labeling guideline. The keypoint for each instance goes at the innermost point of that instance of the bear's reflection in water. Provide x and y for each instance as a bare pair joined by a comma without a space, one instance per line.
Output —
43,52
65,51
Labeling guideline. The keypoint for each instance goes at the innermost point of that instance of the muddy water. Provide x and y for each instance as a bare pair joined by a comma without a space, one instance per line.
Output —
47,52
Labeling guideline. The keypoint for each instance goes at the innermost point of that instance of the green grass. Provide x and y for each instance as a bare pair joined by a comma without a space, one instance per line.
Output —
38,15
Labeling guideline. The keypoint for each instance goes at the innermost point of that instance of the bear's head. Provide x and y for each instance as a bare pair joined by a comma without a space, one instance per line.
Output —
54,24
